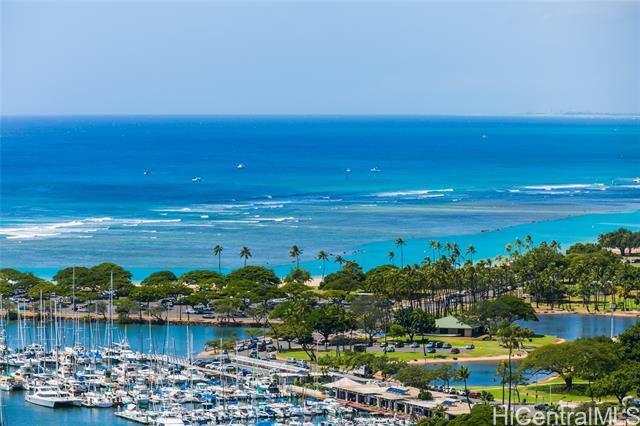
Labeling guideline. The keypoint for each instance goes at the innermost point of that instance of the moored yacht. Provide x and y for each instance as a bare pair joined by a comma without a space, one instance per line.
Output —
51,396
8,383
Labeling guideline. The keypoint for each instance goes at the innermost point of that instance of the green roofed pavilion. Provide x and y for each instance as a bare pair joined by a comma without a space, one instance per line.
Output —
453,326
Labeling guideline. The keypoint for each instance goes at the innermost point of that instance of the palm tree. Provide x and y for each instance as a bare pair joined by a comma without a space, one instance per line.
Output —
517,244
339,259
463,374
555,245
295,252
391,255
528,241
435,245
245,253
501,371
322,255
508,248
471,250
217,251
511,336
401,243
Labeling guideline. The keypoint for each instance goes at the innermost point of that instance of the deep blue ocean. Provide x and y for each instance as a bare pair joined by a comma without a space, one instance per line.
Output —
87,190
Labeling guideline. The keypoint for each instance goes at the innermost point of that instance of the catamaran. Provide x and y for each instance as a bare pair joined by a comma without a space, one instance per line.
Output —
52,397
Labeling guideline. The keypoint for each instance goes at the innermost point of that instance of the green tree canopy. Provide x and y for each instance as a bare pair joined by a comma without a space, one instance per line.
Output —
505,308
100,278
619,383
298,275
629,341
255,292
203,278
621,239
349,278
255,274
587,358
160,277
13,279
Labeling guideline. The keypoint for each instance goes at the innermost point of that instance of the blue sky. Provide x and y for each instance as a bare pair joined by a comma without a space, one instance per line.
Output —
324,57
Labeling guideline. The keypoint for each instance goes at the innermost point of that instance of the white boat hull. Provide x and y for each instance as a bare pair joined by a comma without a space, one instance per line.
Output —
51,402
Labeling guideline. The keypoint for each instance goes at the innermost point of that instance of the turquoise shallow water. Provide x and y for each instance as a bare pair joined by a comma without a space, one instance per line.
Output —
74,190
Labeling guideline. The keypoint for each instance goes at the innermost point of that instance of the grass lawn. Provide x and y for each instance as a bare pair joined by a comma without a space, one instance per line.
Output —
576,305
549,391
482,348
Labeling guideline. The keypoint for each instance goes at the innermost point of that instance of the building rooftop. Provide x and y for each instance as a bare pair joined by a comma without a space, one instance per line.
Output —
453,322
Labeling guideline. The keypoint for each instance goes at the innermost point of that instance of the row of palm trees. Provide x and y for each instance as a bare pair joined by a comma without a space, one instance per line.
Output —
245,253
451,249
295,252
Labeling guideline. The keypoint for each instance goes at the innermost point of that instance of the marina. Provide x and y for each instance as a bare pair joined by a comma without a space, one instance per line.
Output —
49,365
152,374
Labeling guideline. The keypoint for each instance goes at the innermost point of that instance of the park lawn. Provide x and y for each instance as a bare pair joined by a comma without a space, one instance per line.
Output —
551,390
576,306
482,347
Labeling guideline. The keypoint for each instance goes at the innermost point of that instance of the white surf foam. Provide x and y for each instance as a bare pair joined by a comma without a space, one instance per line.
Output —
410,193
568,186
72,228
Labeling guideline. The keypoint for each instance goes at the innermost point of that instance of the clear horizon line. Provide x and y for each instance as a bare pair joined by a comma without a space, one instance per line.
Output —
576,114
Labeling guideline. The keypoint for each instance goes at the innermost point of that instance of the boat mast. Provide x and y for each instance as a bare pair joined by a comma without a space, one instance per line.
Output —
73,305
41,326
110,328
20,336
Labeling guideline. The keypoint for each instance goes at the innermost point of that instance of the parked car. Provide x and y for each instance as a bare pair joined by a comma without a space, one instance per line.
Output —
446,346
399,345
439,344
390,349
455,350
469,346
415,345
431,350
383,345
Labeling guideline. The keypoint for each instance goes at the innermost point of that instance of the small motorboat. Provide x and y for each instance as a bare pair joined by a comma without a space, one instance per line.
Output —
196,179
375,170
241,166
